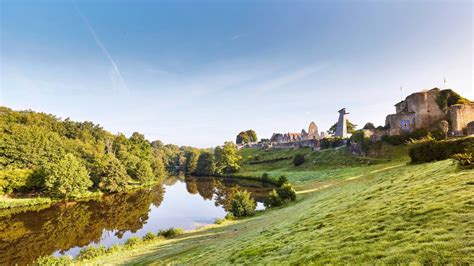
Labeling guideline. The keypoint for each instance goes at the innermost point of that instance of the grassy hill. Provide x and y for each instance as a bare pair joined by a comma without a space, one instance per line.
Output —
349,211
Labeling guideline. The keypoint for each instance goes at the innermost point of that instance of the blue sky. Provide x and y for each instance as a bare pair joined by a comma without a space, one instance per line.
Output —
198,72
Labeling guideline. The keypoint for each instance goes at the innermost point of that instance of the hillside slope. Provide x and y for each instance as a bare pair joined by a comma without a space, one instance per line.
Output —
397,214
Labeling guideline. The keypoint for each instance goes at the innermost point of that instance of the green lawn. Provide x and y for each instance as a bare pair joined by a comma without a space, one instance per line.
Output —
387,212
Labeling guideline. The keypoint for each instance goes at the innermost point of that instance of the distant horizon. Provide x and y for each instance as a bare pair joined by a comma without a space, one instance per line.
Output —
196,74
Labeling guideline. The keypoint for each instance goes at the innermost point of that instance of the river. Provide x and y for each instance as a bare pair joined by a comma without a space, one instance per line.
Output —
66,227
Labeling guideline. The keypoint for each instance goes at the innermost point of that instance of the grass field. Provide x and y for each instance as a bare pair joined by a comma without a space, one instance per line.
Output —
387,212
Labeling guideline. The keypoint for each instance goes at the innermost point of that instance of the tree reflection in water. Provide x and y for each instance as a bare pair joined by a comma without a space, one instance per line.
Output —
27,235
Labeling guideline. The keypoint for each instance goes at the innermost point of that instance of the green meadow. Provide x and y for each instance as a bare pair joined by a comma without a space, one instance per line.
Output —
374,209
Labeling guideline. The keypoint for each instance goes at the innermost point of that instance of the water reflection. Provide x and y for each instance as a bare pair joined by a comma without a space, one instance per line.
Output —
65,227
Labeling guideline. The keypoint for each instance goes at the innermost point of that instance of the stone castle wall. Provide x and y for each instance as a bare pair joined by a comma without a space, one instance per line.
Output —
461,115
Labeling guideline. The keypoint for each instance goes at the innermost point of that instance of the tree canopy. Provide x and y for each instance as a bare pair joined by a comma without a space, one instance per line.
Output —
246,137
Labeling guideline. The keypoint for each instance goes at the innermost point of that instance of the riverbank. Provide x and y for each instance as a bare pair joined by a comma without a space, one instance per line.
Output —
389,212
412,213
22,202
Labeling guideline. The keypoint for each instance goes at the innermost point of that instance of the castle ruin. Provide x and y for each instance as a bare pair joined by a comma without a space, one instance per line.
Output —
427,109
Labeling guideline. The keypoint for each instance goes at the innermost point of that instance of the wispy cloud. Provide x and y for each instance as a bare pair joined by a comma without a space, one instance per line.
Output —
116,76
288,78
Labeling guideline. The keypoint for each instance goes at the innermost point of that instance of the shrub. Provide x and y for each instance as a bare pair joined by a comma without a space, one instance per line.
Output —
114,248
273,200
298,160
171,232
433,150
149,236
266,177
132,241
464,160
109,174
91,252
286,192
331,142
219,221
242,204
282,180
53,260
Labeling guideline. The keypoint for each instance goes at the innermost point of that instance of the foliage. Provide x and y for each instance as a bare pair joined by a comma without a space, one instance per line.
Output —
286,192
91,252
246,137
363,142
192,157
206,164
407,136
14,180
66,177
433,150
30,141
350,128
282,180
448,97
369,126
299,159
53,260
331,142
273,200
133,241
149,236
266,177
171,232
464,160
242,204
109,174
227,159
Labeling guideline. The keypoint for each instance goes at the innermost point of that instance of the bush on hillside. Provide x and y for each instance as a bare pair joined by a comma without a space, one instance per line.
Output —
299,159
287,192
149,236
332,142
273,200
266,177
464,160
133,241
242,204
433,150
171,232
91,252
53,260
282,180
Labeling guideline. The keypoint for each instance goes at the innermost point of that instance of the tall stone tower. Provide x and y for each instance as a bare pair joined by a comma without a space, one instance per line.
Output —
341,127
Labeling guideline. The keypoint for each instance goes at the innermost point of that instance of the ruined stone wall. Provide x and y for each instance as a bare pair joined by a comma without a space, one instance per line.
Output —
427,111
311,143
394,121
461,115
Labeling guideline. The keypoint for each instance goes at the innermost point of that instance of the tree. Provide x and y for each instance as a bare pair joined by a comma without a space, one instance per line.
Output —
110,174
66,177
144,173
242,204
206,164
246,137
192,157
227,159
369,126
350,128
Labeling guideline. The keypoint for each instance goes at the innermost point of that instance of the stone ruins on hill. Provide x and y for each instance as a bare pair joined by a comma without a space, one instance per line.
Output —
430,109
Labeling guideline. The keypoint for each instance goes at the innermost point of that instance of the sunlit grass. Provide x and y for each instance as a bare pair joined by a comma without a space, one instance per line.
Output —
411,213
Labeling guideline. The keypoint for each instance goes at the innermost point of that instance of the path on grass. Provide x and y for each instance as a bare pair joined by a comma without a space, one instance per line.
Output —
331,183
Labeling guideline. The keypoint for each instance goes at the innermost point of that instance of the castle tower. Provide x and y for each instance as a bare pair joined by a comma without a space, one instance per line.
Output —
341,127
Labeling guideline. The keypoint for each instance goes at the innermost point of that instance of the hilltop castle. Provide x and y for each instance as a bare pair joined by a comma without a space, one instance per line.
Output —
428,109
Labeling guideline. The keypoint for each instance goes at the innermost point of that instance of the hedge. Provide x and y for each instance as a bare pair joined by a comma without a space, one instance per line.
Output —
434,150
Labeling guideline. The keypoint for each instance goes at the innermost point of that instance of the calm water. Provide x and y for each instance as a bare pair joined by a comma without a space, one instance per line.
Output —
67,227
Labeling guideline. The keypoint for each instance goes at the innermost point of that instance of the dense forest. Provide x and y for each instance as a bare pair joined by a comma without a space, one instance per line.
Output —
43,153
